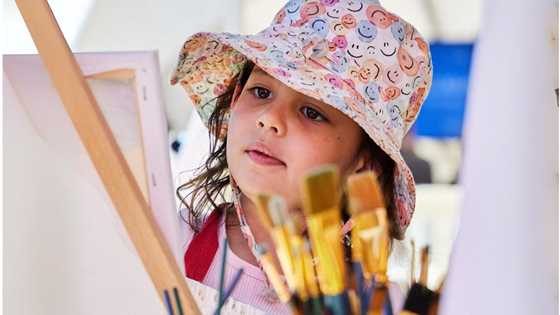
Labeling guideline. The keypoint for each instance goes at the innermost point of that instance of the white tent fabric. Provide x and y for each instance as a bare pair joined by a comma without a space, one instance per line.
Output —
505,259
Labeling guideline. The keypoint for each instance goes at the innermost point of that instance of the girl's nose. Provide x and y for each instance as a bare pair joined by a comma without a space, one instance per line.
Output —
271,119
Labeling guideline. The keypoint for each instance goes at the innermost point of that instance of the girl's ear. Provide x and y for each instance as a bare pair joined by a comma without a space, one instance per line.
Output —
235,96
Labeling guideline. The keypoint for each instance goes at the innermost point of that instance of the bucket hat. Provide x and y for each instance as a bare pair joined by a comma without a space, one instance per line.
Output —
353,55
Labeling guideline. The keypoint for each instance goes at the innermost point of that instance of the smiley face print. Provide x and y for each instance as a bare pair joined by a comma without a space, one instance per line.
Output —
395,117
334,13
371,90
386,47
408,64
341,64
293,6
329,3
379,17
397,29
422,45
320,26
337,28
291,12
393,75
370,70
340,41
354,6
355,52
390,93
407,88
311,9
366,31
348,21
416,100
334,80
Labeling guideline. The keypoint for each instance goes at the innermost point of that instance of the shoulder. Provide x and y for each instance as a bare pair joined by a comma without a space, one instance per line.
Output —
190,229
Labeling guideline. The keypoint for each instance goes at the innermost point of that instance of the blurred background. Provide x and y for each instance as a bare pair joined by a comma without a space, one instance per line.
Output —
433,148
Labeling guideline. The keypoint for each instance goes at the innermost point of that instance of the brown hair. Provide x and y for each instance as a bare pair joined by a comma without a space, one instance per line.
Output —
212,177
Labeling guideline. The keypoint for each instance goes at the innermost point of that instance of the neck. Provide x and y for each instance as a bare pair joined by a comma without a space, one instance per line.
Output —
261,235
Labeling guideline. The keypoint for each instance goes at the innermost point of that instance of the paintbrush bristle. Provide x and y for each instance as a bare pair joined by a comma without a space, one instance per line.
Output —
364,193
262,209
424,264
419,299
321,190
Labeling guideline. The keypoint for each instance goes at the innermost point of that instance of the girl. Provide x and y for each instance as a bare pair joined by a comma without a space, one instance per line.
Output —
329,81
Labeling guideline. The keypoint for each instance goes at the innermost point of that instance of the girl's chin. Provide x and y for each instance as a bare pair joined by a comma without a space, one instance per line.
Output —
255,187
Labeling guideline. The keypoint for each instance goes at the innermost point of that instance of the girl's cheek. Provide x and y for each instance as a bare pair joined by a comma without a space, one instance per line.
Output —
325,149
238,118
312,151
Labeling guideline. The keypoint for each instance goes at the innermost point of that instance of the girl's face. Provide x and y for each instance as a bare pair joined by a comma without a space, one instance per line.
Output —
276,134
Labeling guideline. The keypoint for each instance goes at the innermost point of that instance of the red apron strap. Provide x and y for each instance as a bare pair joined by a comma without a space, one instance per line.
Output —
202,248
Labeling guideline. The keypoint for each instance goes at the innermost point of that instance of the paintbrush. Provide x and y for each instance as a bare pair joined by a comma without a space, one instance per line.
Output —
178,301
168,302
320,190
376,240
297,243
434,307
222,276
272,212
275,278
424,264
310,277
375,254
420,298
229,291
306,280
364,198
412,262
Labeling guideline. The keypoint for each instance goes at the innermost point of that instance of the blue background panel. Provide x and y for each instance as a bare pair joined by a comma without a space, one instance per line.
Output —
442,114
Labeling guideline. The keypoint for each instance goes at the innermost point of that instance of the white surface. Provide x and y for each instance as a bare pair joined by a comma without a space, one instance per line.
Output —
71,17
161,26
66,251
506,255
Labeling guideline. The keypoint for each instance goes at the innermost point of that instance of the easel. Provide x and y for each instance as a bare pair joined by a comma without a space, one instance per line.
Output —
104,152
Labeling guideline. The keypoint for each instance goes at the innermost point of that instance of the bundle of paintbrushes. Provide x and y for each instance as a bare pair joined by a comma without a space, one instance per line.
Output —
310,267
420,299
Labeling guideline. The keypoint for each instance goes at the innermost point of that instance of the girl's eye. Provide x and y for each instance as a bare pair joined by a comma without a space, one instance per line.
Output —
312,114
261,92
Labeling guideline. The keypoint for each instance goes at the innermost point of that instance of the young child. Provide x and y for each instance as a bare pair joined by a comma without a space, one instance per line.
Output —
329,81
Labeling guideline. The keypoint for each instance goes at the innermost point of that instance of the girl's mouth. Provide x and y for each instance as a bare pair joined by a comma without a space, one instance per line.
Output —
262,156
